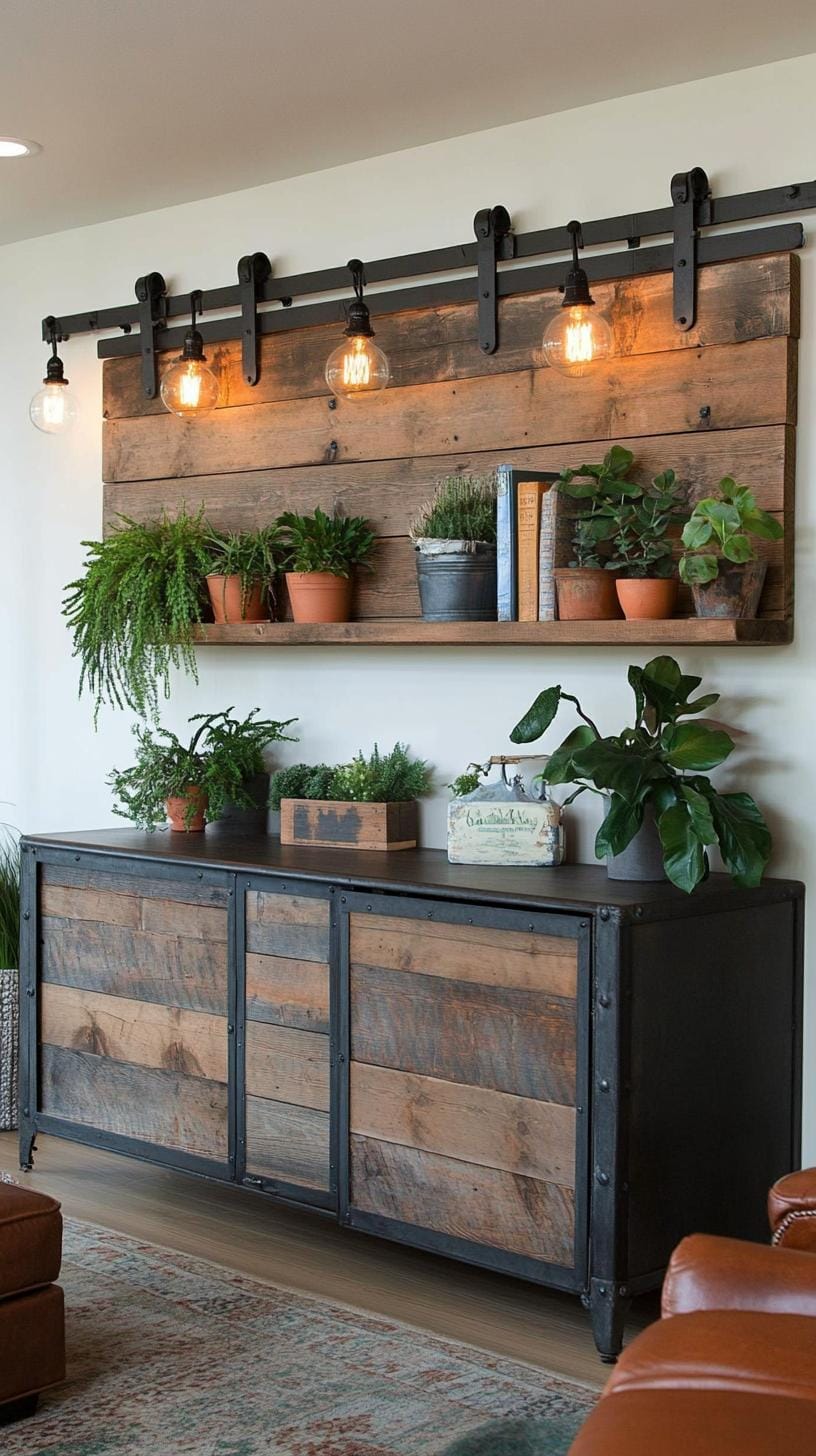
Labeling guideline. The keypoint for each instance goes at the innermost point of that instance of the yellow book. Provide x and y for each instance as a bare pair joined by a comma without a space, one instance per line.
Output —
528,527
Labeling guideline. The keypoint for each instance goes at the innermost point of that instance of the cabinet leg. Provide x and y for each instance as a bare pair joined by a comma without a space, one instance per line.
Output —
18,1410
607,1311
27,1147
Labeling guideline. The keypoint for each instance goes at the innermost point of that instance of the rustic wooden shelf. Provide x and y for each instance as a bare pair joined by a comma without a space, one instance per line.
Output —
677,632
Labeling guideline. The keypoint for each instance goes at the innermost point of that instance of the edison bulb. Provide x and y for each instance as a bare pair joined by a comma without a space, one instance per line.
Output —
576,338
189,388
357,366
53,408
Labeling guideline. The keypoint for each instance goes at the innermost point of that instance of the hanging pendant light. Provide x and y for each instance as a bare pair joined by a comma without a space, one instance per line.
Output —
189,387
577,337
357,366
53,408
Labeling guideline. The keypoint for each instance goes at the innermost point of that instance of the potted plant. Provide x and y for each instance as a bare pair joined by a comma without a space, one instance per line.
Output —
455,537
133,612
320,554
242,566
663,814
721,565
369,803
9,982
586,590
239,744
642,557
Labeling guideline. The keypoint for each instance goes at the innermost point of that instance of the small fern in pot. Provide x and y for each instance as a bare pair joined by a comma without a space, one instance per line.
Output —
242,568
320,553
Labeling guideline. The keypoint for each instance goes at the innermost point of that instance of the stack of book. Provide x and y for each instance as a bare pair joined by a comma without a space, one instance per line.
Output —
532,538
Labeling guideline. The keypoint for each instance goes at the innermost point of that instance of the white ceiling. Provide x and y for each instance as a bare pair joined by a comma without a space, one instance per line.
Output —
144,103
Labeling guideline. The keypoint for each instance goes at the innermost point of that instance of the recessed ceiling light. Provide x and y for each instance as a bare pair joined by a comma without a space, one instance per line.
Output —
14,147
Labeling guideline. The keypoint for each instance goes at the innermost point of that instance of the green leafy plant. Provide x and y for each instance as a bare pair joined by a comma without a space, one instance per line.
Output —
595,488
640,543
659,763
380,778
9,900
240,742
252,555
133,611
468,781
463,508
325,543
725,522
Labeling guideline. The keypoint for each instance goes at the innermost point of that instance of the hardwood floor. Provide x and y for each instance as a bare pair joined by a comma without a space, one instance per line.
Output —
307,1252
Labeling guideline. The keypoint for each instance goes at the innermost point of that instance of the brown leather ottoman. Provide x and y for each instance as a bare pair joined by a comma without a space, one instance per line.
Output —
32,1321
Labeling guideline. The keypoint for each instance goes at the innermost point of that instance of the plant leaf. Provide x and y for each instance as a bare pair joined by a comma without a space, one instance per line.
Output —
744,837
538,717
621,824
737,548
697,532
699,569
695,747
683,854
760,523
699,811
635,678
560,768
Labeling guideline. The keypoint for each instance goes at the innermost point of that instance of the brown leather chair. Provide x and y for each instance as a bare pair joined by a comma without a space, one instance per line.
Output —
731,1366
32,1321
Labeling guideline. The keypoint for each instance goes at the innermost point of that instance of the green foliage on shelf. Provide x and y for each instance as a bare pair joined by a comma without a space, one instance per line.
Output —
595,488
324,543
252,555
640,541
379,778
659,763
463,508
9,900
725,522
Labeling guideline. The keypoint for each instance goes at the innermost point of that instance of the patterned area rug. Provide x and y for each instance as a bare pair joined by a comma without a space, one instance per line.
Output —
169,1354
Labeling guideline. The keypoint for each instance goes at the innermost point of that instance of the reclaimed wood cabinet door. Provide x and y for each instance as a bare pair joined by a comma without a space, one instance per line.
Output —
285,1043
133,1009
463,1115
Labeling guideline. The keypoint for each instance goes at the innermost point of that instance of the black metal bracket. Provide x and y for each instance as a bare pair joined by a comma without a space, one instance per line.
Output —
254,270
689,190
492,228
150,292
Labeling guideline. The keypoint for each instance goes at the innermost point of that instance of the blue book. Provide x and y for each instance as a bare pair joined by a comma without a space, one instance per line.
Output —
507,483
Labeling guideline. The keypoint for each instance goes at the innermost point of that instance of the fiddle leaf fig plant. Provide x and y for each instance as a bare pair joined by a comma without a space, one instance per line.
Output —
661,762
724,525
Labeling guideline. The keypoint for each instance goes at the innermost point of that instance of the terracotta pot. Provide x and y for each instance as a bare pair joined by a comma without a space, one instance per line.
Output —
735,592
319,596
647,598
226,598
177,809
586,594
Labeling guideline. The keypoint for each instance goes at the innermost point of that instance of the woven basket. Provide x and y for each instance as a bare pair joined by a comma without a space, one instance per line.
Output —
9,1048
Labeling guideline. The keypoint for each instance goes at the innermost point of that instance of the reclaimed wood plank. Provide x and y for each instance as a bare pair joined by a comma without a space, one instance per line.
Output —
752,383
139,965
156,1106
285,1064
472,1124
484,1205
190,892
142,1032
174,917
168,917
287,992
296,926
289,1143
545,963
746,299
674,632
486,1036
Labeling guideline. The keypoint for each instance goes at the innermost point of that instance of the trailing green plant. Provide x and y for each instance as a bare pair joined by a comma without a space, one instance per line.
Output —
659,763
9,900
640,543
595,488
325,543
463,508
240,742
252,555
725,523
380,778
133,611
468,781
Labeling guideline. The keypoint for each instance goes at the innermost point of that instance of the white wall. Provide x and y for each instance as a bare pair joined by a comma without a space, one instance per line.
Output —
749,130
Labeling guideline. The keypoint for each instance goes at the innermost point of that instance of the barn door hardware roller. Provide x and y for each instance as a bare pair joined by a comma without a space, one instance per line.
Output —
254,270
689,191
493,241
151,294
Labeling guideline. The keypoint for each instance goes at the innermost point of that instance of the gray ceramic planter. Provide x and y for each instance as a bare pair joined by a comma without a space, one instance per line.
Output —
251,820
642,859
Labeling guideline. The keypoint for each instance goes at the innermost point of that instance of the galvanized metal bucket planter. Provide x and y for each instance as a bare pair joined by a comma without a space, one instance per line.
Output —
457,583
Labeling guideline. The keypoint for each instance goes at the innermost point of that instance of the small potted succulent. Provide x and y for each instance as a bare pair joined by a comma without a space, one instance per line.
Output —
320,553
455,537
242,568
642,557
663,813
585,588
721,564
369,803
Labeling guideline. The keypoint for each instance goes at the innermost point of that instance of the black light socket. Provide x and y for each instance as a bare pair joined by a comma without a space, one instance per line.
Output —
576,284
358,318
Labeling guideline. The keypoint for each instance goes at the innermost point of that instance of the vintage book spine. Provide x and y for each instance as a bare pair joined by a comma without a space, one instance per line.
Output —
506,581
550,530
529,518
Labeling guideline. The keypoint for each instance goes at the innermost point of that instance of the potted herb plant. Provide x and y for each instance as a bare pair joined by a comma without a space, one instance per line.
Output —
239,743
242,567
133,611
369,803
721,564
642,556
663,813
320,553
9,979
455,537
585,588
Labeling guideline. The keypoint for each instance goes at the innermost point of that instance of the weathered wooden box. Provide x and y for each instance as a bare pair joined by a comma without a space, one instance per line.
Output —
347,825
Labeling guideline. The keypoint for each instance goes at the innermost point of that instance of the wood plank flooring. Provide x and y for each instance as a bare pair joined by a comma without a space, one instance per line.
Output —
307,1252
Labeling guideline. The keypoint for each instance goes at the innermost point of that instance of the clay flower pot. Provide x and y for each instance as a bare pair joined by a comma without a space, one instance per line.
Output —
319,596
647,598
734,592
226,598
586,594
177,806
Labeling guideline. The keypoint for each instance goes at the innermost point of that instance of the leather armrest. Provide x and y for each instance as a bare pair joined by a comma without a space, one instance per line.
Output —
707,1273
792,1210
